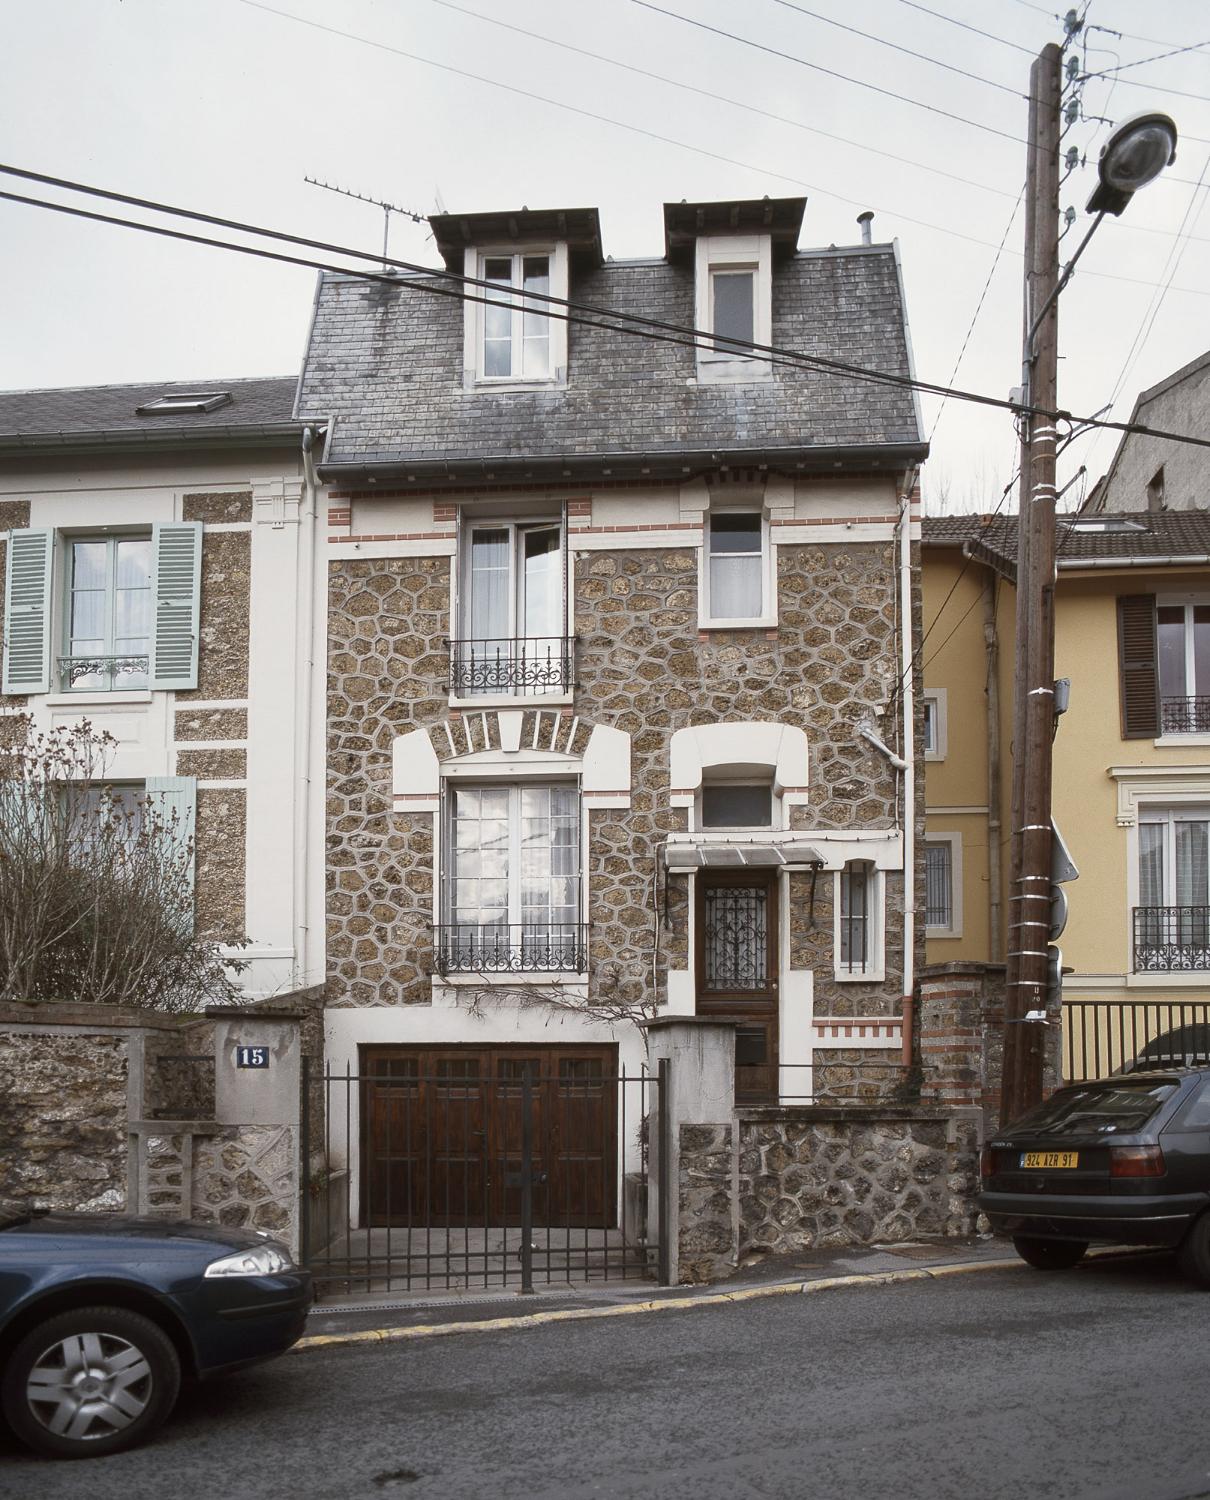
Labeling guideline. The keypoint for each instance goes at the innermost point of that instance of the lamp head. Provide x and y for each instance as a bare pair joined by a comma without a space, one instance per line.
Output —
1135,154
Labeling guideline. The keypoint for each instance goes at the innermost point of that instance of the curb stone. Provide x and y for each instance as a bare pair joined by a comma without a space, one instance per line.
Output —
666,1304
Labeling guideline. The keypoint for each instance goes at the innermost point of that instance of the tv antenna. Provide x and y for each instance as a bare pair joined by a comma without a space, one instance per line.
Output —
387,210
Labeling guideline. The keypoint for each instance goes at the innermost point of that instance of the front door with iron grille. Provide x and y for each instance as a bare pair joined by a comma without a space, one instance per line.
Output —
736,963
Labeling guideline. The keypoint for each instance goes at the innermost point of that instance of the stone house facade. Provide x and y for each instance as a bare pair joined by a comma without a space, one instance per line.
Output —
618,722
156,552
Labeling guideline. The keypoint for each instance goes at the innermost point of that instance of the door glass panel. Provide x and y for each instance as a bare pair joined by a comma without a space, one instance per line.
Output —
535,324
1151,864
736,947
1201,650
737,806
498,320
541,582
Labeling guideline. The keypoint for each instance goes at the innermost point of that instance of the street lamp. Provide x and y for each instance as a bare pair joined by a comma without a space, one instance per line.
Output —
1134,155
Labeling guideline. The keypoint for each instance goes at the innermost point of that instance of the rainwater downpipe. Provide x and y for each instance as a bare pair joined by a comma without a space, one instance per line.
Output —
306,611
905,763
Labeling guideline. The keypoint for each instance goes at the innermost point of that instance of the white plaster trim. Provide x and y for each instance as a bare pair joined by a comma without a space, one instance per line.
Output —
881,848
233,784
857,1031
210,744
527,979
438,546
93,700
939,697
1170,784
415,772
956,811
632,541
1166,981
703,747
1182,742
801,535
212,528
213,703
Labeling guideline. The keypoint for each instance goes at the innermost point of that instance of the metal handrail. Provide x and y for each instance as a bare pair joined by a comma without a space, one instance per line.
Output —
73,668
1189,715
1171,938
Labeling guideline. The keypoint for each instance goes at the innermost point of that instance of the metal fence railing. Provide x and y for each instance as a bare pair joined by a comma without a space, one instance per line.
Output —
1103,1037
512,948
527,664
1185,715
1171,939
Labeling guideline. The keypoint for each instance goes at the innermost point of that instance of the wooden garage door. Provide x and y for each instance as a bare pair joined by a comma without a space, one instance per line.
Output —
441,1135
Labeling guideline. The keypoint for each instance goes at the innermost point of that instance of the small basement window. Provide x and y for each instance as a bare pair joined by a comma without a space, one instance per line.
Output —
184,401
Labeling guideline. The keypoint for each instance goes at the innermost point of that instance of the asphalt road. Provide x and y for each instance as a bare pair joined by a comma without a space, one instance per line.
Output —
1089,1385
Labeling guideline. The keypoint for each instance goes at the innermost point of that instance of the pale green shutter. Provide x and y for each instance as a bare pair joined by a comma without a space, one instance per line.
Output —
177,795
176,579
27,612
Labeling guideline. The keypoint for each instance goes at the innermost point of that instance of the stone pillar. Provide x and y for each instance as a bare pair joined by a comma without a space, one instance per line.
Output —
704,1207
962,1036
247,1173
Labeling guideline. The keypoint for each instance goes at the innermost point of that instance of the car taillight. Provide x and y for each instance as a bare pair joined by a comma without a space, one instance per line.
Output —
1136,1161
987,1162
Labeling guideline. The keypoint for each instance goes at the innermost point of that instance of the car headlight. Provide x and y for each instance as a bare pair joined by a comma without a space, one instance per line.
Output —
263,1260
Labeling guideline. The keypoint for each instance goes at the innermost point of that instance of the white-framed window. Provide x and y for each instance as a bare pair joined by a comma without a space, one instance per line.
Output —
511,338
1182,630
512,637
512,879
98,613
108,613
859,905
943,884
1171,923
737,573
733,304
936,726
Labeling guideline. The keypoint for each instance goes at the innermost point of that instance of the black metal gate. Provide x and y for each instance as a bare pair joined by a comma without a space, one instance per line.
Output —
461,1168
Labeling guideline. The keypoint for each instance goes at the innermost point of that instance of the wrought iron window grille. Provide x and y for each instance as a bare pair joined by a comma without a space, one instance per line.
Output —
1185,715
74,669
525,664
512,948
1171,939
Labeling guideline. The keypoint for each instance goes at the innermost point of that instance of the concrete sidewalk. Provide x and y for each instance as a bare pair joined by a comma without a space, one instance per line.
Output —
387,1317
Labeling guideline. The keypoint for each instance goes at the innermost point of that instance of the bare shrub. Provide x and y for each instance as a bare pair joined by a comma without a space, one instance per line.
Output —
96,885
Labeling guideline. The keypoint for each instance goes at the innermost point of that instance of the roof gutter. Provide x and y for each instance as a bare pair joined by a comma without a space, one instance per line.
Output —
563,466
119,439
1179,560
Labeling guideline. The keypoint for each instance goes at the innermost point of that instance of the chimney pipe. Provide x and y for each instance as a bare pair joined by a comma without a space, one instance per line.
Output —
865,220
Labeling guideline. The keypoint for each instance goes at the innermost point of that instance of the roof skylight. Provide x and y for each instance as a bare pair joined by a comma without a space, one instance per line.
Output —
183,401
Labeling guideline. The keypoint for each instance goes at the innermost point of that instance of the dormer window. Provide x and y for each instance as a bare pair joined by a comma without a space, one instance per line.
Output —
511,337
734,305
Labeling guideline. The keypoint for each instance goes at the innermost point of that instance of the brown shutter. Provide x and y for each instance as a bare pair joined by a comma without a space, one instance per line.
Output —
1140,694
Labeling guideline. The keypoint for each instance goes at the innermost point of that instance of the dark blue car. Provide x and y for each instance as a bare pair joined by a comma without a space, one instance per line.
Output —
101,1315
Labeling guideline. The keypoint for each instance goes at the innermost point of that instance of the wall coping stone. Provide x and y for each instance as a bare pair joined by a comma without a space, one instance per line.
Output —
853,1113
175,1127
55,1013
959,966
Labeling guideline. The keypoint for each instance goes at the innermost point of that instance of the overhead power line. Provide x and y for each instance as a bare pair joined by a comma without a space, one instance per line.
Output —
692,88
953,21
883,41
803,62
588,314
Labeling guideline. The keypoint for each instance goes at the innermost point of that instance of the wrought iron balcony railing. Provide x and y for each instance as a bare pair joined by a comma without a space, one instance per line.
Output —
519,948
1171,939
528,664
1185,715
107,673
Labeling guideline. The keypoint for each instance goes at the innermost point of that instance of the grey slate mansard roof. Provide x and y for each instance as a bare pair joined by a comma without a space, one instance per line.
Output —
1130,539
385,361
106,415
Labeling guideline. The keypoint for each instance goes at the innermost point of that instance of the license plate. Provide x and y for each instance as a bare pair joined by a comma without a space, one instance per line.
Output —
1050,1159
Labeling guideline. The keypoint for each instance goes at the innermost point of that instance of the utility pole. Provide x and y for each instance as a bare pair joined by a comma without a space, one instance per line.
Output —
1033,686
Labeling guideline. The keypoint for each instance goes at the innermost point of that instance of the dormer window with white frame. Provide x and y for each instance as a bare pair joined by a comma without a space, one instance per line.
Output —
734,304
511,339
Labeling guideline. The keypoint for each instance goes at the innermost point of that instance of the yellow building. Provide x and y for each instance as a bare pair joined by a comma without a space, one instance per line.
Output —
1131,766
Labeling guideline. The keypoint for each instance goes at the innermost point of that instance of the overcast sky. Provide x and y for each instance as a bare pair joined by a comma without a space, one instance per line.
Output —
227,107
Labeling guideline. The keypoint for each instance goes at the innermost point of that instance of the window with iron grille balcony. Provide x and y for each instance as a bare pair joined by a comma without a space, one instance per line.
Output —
1171,923
1183,648
511,881
512,636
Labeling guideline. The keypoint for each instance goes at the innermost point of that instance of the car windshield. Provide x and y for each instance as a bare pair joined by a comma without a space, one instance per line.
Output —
1101,1109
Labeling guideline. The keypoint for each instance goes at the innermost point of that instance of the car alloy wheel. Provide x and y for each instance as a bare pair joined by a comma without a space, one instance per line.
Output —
90,1382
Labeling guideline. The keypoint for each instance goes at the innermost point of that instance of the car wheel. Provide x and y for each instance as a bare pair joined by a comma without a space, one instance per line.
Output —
1193,1254
89,1382
1049,1255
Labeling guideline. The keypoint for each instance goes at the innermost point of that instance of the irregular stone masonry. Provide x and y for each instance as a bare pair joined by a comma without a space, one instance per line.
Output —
820,1183
246,1176
642,668
63,1119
